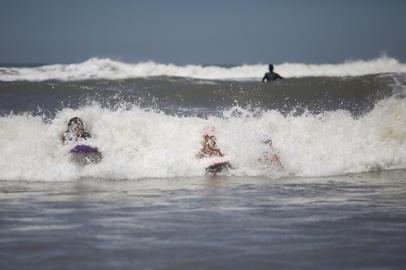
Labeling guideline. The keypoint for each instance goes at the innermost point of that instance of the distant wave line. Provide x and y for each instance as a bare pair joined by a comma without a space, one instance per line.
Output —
105,68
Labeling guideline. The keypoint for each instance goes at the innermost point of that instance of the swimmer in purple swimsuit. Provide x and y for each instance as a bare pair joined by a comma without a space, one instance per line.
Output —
81,154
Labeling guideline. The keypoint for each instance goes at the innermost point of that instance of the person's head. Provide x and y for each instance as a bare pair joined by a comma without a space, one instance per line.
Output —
266,139
210,141
270,67
209,137
75,124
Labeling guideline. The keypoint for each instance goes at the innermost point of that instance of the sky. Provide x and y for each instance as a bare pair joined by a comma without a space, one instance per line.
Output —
201,32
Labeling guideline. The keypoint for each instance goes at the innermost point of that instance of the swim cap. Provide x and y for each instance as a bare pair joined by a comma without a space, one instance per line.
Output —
209,131
266,138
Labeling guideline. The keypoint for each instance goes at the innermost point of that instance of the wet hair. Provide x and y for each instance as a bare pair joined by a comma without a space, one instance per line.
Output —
270,67
75,120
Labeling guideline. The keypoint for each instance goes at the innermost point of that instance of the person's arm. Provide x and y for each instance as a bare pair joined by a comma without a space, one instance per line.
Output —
276,160
218,151
202,152
264,78
279,76
63,139
200,155
86,135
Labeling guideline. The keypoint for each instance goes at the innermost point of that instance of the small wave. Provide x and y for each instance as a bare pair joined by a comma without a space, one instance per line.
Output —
104,68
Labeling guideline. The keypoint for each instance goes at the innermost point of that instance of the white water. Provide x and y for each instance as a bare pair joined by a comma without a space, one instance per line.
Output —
96,68
138,144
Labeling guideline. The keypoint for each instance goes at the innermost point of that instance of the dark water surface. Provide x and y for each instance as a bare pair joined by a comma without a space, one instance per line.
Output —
182,96
346,222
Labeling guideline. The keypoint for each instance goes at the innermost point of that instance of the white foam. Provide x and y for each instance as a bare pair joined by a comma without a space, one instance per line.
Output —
138,144
97,68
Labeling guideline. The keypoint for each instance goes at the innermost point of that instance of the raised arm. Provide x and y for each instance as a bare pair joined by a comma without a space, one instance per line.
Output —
63,138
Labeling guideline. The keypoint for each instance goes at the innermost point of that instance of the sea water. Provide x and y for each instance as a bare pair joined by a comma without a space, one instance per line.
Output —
342,222
338,202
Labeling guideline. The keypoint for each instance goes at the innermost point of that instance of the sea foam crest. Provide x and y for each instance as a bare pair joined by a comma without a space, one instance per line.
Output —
136,143
104,68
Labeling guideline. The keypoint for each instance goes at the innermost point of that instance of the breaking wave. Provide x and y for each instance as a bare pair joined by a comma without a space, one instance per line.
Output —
104,68
138,143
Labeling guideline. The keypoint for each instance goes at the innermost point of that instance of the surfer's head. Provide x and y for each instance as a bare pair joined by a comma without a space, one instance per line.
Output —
75,121
266,139
209,131
270,67
209,140
75,125
209,137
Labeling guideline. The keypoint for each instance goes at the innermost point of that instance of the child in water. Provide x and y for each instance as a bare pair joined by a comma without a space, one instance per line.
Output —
81,154
270,157
209,146
210,149
75,131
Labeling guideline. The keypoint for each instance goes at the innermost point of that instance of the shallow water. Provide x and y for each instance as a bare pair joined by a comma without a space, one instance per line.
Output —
343,222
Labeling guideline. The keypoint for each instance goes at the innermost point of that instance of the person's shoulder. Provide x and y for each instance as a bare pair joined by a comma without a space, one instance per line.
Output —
86,135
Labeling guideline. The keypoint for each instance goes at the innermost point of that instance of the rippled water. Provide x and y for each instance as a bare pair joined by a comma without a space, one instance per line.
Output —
344,222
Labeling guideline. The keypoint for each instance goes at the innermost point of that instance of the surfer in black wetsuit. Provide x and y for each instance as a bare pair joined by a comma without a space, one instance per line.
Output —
271,76
75,131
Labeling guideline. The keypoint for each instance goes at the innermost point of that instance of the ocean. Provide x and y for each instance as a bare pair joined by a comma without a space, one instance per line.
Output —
338,202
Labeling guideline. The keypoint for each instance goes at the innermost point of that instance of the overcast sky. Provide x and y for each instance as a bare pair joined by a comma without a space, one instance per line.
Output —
201,32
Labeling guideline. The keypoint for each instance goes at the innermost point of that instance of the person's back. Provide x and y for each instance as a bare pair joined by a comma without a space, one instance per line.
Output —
271,76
